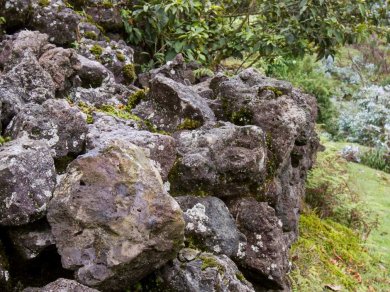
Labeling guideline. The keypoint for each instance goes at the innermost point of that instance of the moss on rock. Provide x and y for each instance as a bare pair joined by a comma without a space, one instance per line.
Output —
129,73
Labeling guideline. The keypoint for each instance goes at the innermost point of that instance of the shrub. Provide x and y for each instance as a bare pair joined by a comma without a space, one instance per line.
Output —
377,158
366,118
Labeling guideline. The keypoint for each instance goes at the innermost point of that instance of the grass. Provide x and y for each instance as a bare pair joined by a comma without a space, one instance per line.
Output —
330,253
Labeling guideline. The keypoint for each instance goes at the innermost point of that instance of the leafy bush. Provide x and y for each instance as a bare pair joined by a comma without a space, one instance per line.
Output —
377,158
210,31
366,118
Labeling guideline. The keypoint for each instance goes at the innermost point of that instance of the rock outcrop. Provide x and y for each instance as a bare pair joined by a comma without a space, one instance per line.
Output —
89,161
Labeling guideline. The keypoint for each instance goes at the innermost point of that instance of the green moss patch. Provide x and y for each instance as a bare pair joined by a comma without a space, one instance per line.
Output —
136,98
129,73
96,50
189,124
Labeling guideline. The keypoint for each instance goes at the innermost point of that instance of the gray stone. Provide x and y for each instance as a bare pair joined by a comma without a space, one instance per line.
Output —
171,104
203,272
92,73
14,46
209,225
62,285
161,149
61,126
29,80
175,69
264,254
56,20
114,56
30,240
27,181
112,221
225,161
61,64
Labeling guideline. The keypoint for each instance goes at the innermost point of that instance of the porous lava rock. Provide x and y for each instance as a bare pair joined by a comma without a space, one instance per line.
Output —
112,221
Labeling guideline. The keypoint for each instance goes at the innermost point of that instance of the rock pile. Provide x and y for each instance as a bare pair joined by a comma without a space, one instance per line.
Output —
175,187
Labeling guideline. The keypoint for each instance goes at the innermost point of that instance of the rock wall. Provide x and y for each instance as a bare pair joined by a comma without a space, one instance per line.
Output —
179,186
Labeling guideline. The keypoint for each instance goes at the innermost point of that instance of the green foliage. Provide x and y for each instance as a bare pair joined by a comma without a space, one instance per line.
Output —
203,72
210,31
96,50
129,73
2,20
377,158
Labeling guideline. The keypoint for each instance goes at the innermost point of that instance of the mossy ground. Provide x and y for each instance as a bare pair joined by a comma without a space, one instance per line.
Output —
329,253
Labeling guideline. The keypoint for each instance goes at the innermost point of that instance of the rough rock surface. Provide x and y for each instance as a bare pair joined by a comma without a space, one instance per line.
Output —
62,285
27,181
112,221
32,82
161,148
245,142
172,103
30,240
223,161
197,271
14,46
5,280
264,254
61,126
210,225
176,70
61,64
112,54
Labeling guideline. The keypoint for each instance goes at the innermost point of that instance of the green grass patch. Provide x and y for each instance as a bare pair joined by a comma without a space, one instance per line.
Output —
345,236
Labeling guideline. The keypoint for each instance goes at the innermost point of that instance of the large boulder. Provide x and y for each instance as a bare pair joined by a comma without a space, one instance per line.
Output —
31,239
209,225
63,127
161,148
172,106
197,271
112,221
223,161
264,255
27,181
62,285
